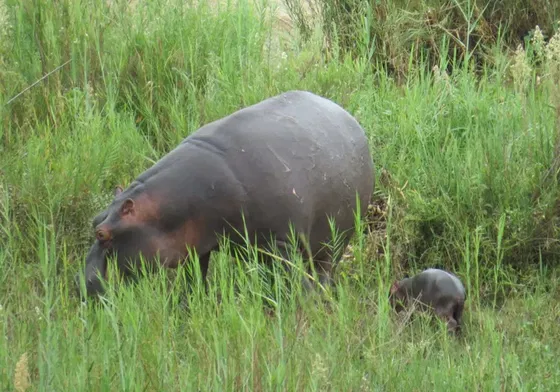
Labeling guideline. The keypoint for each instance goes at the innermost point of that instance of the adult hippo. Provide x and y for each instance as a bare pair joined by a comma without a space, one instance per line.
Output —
294,158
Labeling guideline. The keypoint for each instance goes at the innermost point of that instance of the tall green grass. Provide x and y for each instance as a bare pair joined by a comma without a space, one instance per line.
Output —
152,335
461,161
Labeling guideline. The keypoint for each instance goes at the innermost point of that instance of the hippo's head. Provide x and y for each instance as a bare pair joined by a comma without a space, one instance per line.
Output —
132,226
397,296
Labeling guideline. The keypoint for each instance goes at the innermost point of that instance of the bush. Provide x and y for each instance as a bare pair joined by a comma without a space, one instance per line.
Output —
397,34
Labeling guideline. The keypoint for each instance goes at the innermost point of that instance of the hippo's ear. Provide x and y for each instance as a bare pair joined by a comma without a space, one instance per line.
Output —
127,207
118,190
394,287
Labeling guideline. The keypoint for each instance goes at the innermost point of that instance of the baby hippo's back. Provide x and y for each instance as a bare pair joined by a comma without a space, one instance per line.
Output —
435,284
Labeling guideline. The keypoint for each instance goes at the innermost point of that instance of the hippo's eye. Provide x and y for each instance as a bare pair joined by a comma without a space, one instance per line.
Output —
102,235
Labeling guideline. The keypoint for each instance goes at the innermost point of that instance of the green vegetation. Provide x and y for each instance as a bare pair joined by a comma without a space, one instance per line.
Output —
466,148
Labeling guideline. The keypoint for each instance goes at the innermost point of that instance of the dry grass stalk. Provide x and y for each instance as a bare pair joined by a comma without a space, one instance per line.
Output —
21,374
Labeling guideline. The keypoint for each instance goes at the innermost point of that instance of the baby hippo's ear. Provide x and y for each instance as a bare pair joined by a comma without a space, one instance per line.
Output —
394,287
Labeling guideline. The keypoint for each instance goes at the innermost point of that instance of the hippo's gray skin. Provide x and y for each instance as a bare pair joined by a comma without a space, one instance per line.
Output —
295,157
439,290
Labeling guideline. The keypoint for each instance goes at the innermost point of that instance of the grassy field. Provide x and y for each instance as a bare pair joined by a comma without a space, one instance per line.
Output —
466,168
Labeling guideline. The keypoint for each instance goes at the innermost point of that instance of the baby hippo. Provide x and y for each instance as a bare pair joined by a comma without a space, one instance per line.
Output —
437,289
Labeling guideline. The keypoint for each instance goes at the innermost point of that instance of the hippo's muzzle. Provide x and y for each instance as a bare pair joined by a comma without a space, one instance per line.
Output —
95,271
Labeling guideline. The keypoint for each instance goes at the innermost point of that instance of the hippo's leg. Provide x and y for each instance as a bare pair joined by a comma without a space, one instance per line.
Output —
204,261
445,313
285,251
458,315
452,325
282,248
325,271
324,262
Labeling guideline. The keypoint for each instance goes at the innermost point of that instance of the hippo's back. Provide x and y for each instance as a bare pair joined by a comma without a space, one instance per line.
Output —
445,282
295,122
299,157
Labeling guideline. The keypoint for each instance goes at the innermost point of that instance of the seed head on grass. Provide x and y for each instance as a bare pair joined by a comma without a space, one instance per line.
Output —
38,313
520,69
537,41
5,25
552,54
441,77
320,370
21,374
364,386
5,28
